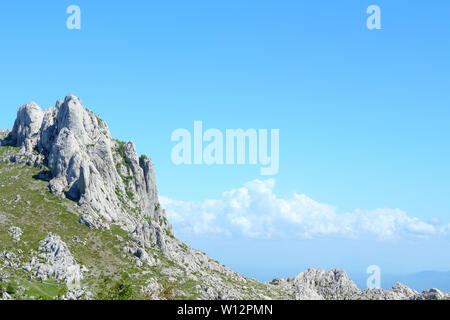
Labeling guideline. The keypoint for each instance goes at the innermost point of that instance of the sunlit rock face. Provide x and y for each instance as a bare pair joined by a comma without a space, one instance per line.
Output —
105,176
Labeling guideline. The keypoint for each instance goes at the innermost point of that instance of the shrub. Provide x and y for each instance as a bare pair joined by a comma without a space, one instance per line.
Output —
11,288
121,289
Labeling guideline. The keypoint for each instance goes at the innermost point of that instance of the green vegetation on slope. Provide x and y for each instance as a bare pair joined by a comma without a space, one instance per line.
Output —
38,212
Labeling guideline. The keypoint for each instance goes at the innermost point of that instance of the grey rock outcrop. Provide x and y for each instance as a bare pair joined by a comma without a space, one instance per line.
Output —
58,263
15,233
78,294
432,294
26,130
316,284
5,296
148,234
403,292
105,177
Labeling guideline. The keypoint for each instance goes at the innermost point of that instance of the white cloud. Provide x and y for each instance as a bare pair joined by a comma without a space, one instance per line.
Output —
255,211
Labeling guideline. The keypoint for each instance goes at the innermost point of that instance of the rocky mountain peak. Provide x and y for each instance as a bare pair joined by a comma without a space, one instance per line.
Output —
78,159
86,164
27,126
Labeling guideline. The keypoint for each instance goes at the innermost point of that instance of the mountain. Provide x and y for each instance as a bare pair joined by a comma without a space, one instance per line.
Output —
80,219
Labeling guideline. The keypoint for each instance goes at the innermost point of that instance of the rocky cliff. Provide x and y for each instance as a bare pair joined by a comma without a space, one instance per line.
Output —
79,208
104,176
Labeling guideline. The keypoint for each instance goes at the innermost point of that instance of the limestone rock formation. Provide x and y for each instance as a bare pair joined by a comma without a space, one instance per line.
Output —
334,284
26,130
317,284
104,176
15,233
58,263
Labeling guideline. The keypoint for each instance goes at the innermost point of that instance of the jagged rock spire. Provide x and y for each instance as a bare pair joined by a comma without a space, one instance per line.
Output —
105,176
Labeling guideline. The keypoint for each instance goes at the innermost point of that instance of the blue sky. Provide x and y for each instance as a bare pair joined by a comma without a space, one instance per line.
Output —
363,115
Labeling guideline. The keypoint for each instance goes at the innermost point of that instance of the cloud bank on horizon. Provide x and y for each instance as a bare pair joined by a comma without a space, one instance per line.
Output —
255,211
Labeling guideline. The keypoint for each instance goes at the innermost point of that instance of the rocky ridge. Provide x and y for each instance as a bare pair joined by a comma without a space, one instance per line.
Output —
318,284
104,176
115,192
